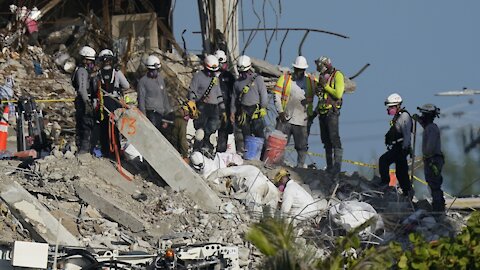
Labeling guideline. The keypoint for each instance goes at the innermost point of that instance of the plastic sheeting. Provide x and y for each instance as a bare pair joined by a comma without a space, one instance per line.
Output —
351,214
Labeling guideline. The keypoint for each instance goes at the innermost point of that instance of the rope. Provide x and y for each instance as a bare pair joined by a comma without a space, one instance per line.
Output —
114,146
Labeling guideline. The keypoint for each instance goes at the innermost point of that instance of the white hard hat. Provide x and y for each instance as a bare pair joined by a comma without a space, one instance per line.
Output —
87,52
211,62
152,62
323,60
300,62
105,52
221,56
393,99
197,160
244,63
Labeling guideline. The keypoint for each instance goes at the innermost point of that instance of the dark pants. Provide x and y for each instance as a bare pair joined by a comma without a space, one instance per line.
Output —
209,121
399,157
84,124
104,131
225,129
299,137
179,134
433,174
330,135
157,120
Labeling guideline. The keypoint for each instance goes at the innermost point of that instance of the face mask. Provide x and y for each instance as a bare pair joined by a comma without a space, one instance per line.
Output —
243,75
299,74
107,67
153,73
223,66
392,110
281,187
90,66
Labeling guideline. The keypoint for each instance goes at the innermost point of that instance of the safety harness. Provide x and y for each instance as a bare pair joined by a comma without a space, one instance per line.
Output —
213,81
327,101
394,137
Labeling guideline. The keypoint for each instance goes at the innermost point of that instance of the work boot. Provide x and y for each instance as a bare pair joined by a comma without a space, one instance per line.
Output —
337,163
301,159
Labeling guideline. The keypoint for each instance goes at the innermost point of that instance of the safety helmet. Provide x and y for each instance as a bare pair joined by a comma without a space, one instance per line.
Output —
87,52
323,64
429,109
221,56
244,63
197,160
105,54
211,62
393,99
280,174
152,62
300,63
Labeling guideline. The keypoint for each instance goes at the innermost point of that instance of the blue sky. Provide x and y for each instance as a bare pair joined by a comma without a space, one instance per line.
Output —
415,48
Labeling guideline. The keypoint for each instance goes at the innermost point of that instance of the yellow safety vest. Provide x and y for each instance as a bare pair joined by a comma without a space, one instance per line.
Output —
327,101
283,87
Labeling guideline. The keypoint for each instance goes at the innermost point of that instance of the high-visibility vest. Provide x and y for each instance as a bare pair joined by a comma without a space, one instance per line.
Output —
327,102
283,87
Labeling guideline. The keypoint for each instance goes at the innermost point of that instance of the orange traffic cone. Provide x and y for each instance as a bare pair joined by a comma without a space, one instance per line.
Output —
4,129
393,178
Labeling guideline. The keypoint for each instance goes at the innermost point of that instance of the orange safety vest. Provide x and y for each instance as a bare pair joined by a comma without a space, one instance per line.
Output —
283,87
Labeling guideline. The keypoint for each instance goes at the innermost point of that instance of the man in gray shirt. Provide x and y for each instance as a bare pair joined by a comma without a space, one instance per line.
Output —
249,101
397,140
433,159
205,91
153,100
84,109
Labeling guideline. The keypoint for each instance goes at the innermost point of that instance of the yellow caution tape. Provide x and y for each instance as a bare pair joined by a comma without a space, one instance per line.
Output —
43,100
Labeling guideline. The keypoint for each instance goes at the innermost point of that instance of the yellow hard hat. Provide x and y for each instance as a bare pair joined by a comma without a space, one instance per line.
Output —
281,173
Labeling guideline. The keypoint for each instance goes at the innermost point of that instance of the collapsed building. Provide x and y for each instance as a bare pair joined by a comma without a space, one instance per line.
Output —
84,203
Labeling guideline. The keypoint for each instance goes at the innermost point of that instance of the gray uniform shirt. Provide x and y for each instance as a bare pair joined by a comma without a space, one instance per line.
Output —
82,83
431,145
404,126
152,95
119,80
256,95
199,86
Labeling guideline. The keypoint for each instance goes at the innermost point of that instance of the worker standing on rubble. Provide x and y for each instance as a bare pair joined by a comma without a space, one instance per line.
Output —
205,91
153,100
110,85
226,85
398,144
293,96
433,158
84,102
296,203
248,106
330,92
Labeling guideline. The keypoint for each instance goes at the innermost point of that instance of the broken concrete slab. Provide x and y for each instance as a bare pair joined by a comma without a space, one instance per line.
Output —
108,209
164,158
41,224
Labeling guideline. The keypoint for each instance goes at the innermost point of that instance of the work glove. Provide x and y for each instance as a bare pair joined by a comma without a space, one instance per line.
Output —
282,117
242,118
224,117
415,117
434,169
322,82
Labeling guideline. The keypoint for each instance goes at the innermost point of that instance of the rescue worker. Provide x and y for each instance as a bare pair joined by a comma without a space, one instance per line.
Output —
84,101
179,132
248,178
330,92
226,85
296,203
110,85
153,100
248,106
398,144
293,95
206,93
433,158
206,166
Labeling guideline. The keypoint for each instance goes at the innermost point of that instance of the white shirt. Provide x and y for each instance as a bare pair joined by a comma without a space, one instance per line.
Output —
297,202
295,111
